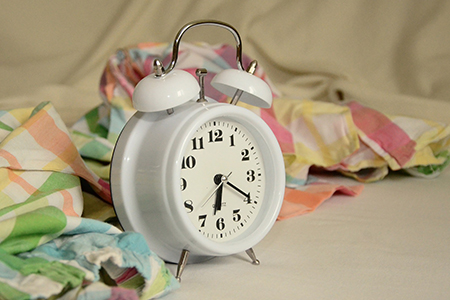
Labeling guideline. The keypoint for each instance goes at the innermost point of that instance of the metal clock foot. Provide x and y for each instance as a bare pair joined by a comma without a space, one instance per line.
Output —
252,256
182,263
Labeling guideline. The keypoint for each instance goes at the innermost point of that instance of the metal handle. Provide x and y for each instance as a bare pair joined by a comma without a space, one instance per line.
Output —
176,43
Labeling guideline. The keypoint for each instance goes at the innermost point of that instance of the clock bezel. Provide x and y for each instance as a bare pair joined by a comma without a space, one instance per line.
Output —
271,154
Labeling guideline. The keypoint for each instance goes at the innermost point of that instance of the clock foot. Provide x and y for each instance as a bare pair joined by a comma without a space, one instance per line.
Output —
252,256
182,263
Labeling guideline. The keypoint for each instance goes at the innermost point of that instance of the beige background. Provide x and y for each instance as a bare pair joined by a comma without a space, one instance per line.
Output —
55,50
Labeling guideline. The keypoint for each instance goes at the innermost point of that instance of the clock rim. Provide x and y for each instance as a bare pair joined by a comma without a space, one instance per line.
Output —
253,123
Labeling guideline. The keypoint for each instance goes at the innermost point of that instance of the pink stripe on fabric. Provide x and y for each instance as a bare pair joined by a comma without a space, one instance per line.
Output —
298,202
42,127
283,135
30,189
11,159
129,273
118,293
68,204
380,129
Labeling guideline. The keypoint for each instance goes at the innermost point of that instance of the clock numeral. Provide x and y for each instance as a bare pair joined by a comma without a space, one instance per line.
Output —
251,175
188,162
183,184
220,224
202,219
232,140
197,143
245,155
189,205
236,215
247,199
215,136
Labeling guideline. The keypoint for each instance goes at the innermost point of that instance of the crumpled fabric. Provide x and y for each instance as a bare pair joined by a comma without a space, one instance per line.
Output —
354,140
41,207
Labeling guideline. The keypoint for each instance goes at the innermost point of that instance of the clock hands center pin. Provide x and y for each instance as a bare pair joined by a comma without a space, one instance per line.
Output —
219,179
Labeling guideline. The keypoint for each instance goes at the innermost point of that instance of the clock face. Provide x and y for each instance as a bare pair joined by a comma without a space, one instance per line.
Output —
222,179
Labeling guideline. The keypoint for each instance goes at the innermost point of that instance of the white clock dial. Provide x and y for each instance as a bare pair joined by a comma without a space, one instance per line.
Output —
222,179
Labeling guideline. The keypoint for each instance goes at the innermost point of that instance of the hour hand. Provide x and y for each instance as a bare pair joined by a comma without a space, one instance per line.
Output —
218,203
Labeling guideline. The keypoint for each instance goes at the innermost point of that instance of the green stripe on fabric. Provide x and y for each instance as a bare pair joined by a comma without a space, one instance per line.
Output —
161,282
92,118
100,169
29,205
82,135
5,127
29,229
39,107
67,275
8,292
95,149
57,182
431,169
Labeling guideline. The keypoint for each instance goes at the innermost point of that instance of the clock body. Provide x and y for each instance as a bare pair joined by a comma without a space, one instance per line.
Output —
208,178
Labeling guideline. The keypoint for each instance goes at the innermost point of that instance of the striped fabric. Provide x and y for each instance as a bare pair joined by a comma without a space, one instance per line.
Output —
357,141
46,248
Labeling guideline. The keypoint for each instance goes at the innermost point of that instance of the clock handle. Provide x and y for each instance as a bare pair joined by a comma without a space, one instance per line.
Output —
182,264
180,33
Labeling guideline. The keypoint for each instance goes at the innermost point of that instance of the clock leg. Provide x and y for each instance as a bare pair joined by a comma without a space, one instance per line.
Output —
252,256
182,263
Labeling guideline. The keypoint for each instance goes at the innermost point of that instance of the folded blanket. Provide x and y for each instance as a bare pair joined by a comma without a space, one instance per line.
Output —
46,248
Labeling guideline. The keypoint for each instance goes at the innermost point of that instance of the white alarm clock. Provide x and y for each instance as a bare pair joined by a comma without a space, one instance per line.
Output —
196,177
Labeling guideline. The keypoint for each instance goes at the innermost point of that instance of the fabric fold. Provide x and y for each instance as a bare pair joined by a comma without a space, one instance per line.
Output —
42,233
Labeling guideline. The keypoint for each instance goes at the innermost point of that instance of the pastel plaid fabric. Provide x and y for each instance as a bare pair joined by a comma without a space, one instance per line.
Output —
419,147
43,238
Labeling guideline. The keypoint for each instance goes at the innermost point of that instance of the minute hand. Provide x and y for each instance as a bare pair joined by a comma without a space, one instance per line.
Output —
247,195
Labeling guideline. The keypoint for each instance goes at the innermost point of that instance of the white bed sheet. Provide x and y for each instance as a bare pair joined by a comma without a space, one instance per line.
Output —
391,242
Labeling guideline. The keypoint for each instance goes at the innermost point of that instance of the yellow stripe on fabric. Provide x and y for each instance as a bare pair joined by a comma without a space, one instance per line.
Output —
7,227
320,143
424,157
32,205
343,131
287,109
11,136
323,151
4,181
5,201
58,165
21,114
